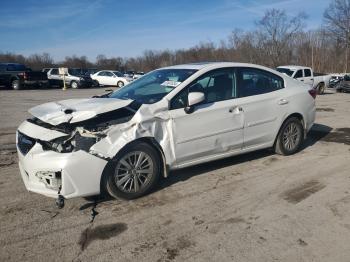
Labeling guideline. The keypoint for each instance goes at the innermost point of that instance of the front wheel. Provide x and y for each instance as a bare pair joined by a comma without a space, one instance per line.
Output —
135,172
290,137
120,84
74,85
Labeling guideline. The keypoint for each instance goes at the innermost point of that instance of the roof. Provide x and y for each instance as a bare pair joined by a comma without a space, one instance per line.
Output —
294,67
202,65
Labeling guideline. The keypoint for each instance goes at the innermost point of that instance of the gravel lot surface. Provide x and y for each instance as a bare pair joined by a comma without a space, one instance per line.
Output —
255,207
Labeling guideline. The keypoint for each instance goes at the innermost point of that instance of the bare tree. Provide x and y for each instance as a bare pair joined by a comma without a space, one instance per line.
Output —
276,31
337,20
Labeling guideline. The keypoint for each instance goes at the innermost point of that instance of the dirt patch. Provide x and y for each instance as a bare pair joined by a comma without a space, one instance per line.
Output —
7,158
324,109
181,243
234,220
339,135
100,233
297,194
302,242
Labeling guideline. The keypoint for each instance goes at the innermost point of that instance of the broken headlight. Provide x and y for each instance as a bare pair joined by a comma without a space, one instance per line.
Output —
67,145
83,142
61,145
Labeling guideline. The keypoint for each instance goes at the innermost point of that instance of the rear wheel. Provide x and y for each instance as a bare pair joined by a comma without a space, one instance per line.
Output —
135,172
321,88
290,137
16,85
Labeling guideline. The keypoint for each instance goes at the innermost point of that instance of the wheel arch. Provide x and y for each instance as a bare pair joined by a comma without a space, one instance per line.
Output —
148,140
297,115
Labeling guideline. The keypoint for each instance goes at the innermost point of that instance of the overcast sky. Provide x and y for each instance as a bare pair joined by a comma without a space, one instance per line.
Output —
127,28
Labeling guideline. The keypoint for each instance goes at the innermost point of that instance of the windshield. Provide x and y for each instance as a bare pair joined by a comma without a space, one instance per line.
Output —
154,86
285,71
75,71
117,73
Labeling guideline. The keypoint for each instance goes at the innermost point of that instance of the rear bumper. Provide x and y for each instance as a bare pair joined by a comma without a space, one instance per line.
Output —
77,173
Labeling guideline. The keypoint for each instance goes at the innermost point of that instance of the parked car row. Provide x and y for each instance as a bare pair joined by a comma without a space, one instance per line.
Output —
18,76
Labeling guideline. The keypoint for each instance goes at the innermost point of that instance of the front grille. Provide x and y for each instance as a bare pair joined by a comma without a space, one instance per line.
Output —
24,143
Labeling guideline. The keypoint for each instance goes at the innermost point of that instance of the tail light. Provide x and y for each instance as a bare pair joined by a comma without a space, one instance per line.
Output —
24,75
313,93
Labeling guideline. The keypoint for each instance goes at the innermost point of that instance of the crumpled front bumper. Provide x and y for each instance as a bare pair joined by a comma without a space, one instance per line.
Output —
77,174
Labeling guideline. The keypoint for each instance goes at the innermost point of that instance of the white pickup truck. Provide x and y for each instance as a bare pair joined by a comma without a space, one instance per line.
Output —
305,74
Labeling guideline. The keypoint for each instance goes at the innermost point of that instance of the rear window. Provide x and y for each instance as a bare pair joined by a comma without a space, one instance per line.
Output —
307,72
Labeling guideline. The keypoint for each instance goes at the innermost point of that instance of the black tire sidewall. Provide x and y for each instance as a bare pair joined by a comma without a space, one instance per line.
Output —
122,84
280,136
110,185
321,89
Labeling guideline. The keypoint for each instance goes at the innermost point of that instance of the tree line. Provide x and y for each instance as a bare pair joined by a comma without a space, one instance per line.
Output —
277,39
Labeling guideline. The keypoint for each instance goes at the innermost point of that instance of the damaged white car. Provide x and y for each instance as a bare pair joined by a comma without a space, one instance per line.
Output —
171,118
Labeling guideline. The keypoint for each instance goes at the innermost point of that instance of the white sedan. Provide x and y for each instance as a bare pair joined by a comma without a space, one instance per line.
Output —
110,78
173,117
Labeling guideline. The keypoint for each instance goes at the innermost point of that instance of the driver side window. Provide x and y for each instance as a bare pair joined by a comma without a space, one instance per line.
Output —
216,85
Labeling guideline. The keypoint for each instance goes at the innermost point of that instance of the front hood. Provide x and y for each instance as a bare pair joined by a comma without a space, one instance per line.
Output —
76,110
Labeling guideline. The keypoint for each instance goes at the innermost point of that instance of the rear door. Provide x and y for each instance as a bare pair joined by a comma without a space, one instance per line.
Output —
261,96
308,77
215,126
55,77
110,79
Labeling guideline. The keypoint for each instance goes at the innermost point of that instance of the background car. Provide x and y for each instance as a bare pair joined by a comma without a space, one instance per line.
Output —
318,81
110,78
18,76
74,78
335,79
344,85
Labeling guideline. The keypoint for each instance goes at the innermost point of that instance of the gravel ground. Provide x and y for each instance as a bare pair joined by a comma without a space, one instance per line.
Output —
255,207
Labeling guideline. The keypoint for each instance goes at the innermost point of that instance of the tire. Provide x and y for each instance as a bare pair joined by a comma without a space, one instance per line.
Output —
321,88
16,85
120,84
97,84
74,85
120,182
285,143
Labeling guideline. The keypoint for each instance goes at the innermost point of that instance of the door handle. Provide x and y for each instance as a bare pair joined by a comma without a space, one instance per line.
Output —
283,102
236,109
302,80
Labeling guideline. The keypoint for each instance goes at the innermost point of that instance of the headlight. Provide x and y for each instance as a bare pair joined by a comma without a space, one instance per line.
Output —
67,145
61,145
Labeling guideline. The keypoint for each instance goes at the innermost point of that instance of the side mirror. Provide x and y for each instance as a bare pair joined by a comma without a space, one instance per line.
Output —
194,98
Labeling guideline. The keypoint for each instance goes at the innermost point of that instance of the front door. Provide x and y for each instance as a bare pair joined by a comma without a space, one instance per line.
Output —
215,126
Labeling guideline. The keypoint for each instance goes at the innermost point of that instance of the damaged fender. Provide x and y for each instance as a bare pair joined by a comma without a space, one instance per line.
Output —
150,121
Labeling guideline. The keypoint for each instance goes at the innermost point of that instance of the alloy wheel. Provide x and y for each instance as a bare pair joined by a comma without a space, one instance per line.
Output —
291,137
133,172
